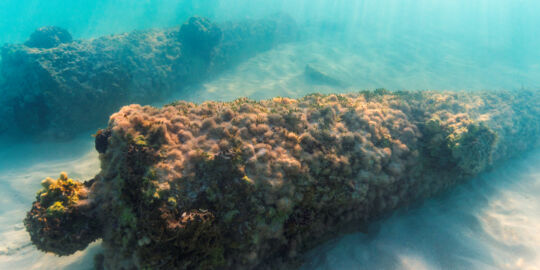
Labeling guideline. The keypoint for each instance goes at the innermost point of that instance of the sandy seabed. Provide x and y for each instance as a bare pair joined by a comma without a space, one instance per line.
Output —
22,168
492,222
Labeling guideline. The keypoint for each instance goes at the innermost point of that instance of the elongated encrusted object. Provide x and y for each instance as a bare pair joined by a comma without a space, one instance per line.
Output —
253,184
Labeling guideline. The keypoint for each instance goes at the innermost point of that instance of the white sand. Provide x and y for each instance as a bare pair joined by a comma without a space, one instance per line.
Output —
23,167
368,62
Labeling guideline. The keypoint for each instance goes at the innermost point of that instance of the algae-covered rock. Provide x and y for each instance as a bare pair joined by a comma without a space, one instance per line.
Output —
253,184
48,37
473,149
53,87
200,35
60,220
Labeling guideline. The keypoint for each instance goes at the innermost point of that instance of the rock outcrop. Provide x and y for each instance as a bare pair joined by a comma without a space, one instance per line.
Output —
315,76
54,87
253,184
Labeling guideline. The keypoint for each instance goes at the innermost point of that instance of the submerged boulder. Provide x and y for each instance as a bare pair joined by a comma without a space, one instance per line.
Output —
315,76
253,184
48,37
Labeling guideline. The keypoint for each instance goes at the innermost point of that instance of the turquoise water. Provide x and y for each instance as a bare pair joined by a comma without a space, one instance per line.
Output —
491,223
441,44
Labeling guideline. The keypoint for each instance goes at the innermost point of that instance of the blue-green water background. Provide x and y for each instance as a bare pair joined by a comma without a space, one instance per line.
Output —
466,44
490,223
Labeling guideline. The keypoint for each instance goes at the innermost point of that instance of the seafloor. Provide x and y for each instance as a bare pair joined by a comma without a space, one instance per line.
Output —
496,225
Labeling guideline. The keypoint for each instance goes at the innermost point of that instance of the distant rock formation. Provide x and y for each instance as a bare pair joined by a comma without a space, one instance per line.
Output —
253,184
54,87
315,76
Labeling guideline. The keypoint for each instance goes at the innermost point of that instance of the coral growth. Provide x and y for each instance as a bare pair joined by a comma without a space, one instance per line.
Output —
253,184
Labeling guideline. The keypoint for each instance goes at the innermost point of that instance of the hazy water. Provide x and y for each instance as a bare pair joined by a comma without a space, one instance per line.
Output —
492,222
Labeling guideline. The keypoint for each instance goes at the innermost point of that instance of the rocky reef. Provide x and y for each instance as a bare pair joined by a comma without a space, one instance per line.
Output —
253,184
54,87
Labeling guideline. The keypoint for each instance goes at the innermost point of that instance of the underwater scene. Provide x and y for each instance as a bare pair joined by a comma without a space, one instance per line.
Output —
270,134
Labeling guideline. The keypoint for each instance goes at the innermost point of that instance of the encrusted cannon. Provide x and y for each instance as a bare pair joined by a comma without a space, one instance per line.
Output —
54,87
253,184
